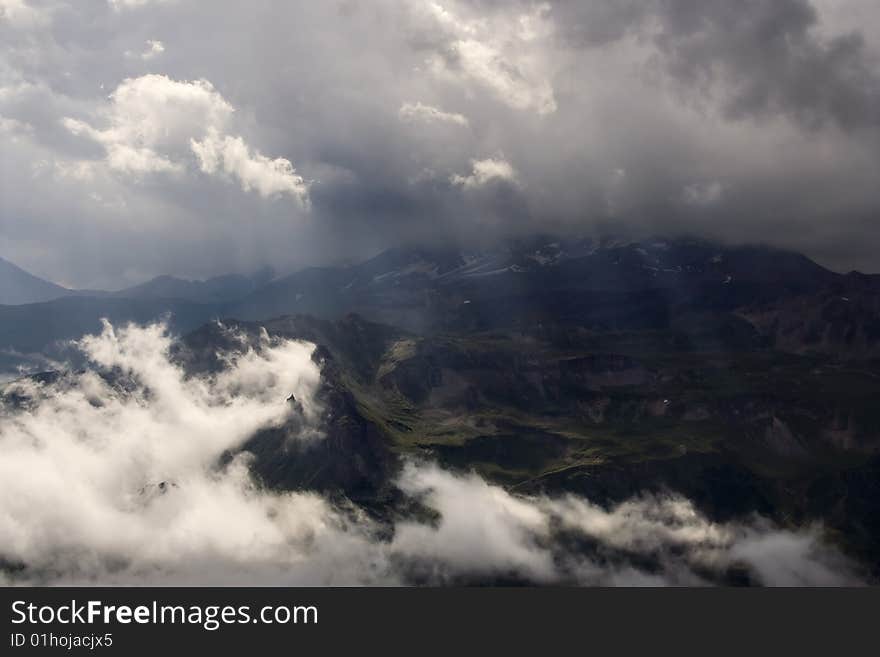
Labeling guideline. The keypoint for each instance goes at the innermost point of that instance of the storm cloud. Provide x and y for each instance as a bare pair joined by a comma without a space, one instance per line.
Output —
146,137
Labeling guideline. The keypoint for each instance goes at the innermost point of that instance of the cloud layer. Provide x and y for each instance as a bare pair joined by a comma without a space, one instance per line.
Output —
351,121
115,476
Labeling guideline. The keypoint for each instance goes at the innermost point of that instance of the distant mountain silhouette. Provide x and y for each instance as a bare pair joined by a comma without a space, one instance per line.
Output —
18,286
699,292
598,284
231,287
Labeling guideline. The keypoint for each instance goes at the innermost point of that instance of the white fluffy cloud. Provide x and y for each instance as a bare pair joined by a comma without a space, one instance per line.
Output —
122,483
484,172
156,125
429,114
485,530
96,455
502,55
150,119
482,528
231,156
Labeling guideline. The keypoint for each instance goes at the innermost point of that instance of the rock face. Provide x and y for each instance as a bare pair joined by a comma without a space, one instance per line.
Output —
842,318
351,457
564,409
349,454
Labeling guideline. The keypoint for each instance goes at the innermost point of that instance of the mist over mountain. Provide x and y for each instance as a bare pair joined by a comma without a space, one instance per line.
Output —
734,297
574,281
589,383
439,292
270,509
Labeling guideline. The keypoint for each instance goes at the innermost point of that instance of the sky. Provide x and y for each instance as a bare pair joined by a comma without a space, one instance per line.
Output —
147,137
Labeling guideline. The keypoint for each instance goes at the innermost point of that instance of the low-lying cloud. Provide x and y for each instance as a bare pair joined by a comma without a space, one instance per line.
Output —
484,530
117,475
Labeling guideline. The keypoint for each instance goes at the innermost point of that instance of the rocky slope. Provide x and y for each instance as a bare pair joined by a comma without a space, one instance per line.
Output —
795,438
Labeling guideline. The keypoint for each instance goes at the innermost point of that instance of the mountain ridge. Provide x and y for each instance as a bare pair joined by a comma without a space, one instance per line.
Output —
18,286
703,292
741,377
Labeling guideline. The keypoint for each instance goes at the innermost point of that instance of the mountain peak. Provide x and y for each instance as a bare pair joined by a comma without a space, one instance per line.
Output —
18,286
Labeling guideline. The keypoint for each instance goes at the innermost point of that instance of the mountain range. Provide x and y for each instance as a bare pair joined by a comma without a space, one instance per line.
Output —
699,290
744,377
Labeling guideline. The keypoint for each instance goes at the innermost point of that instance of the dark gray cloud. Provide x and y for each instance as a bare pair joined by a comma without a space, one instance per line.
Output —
754,120
757,57
769,60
